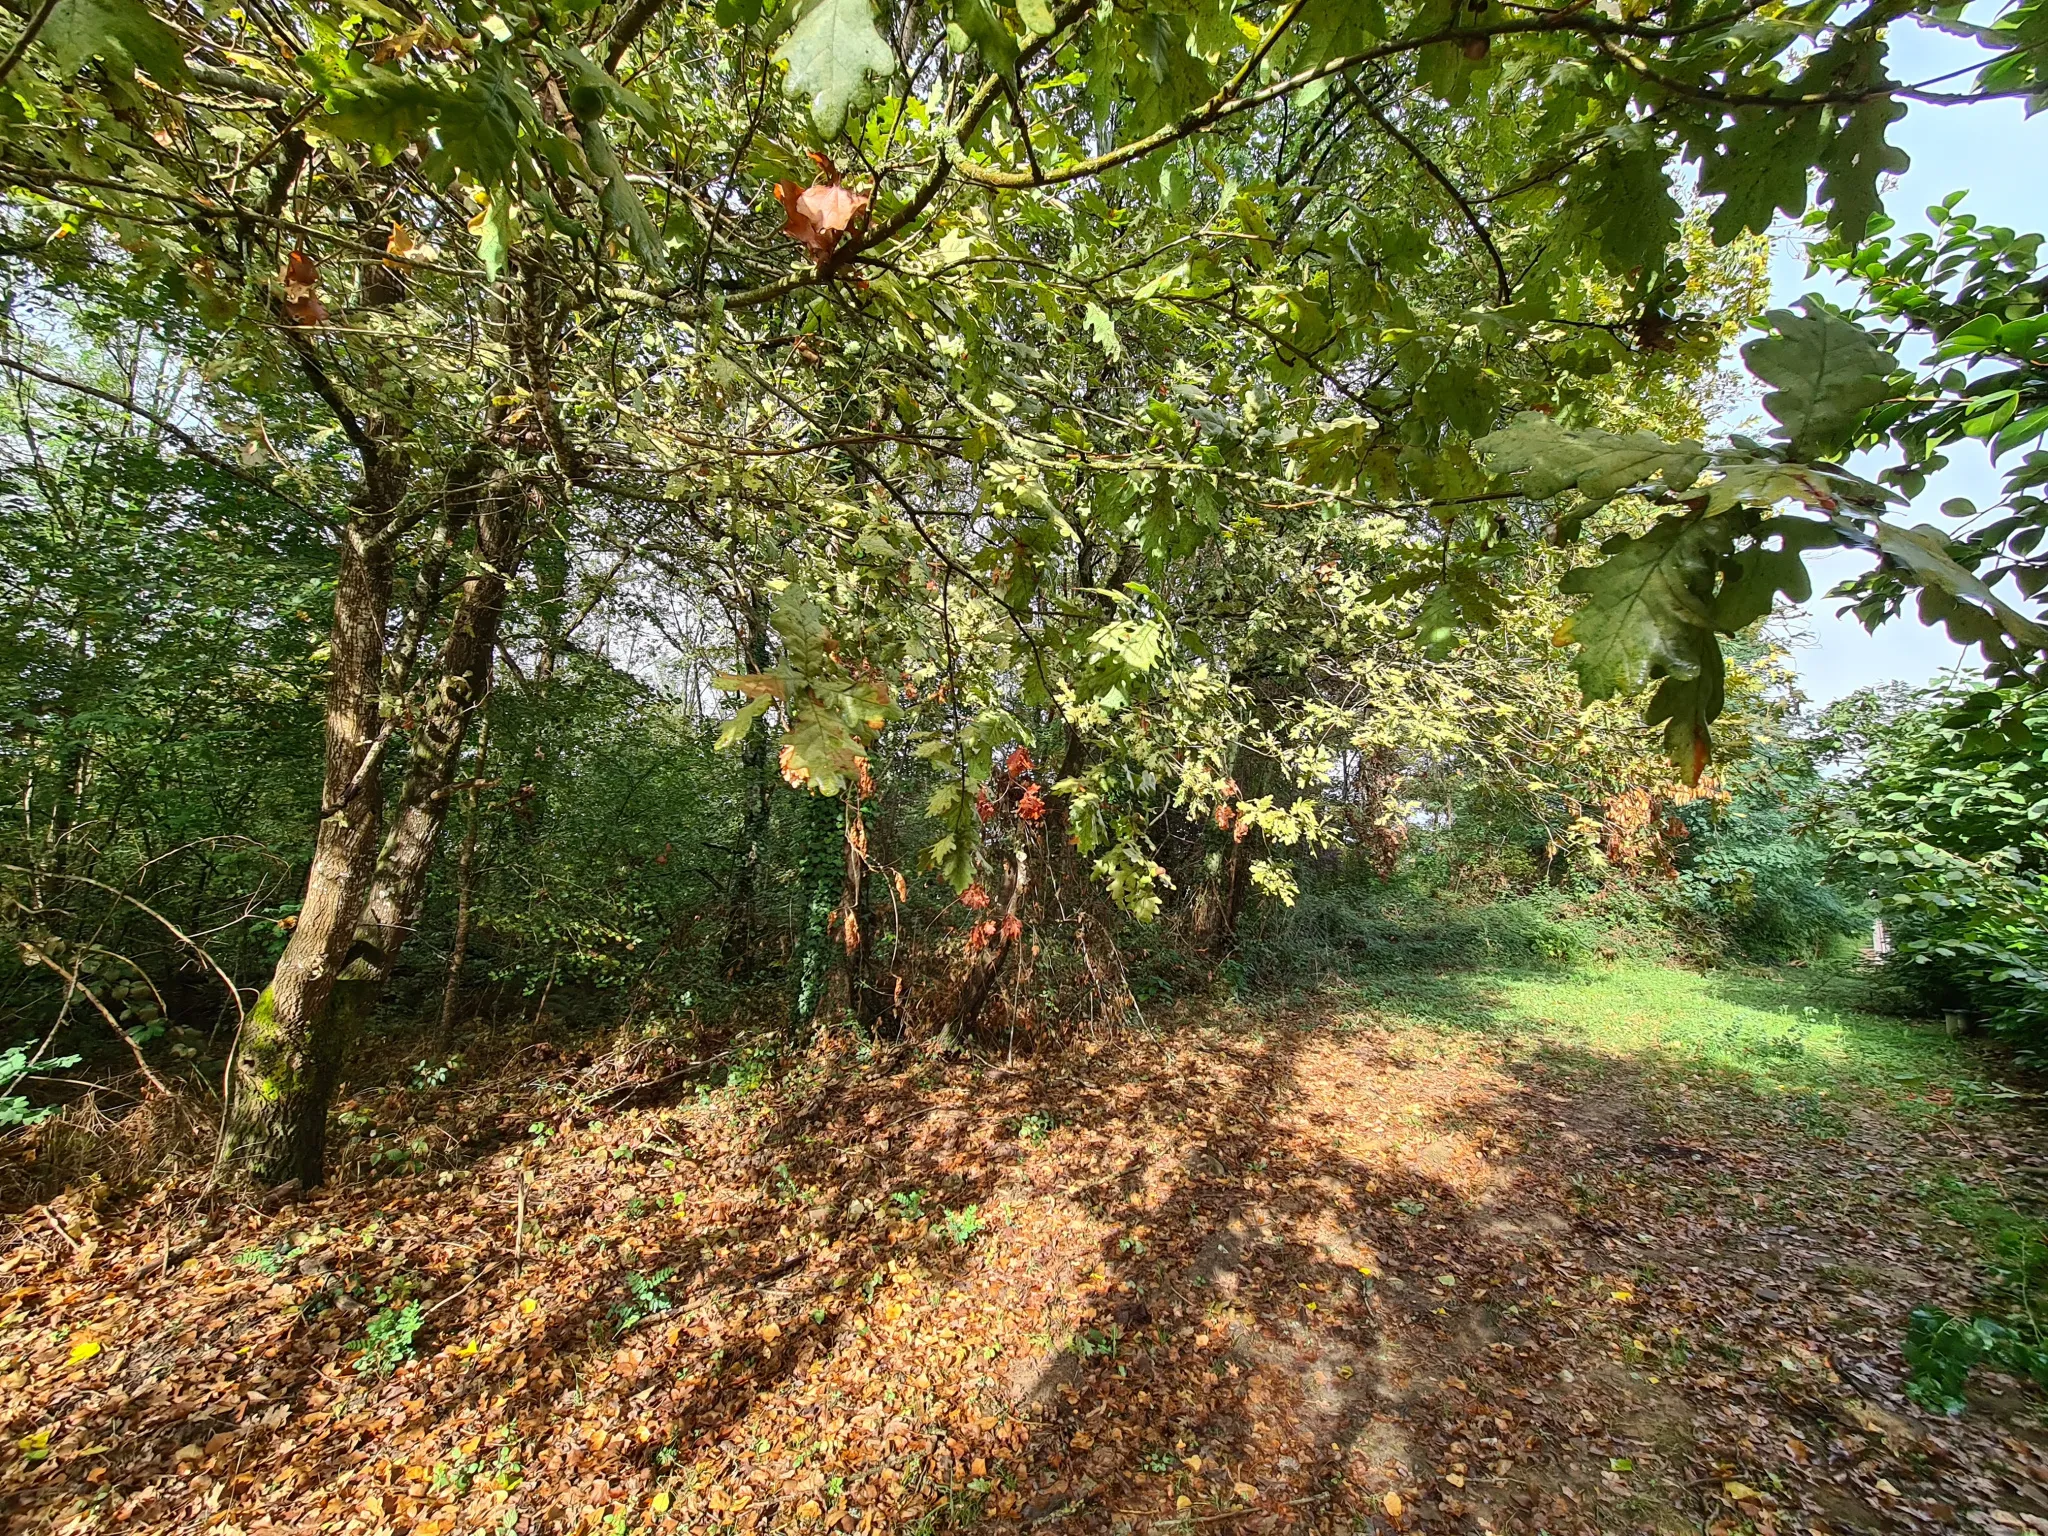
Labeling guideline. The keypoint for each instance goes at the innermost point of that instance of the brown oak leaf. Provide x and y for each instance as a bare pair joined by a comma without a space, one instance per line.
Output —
301,284
818,215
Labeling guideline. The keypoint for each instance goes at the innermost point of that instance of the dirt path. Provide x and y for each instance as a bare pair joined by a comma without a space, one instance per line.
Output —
1314,1270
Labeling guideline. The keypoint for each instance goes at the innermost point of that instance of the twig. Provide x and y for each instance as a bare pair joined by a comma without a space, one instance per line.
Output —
458,1295
58,1227
519,1228
28,35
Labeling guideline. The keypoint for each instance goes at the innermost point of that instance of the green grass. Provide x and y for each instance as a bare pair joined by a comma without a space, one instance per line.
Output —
1769,1030
1790,1031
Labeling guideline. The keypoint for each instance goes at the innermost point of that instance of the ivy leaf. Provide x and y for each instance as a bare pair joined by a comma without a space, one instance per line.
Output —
81,30
1828,372
1599,465
829,52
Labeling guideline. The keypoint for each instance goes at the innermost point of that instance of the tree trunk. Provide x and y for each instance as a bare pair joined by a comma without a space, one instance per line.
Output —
981,983
743,910
465,888
821,861
400,889
290,1052
1255,777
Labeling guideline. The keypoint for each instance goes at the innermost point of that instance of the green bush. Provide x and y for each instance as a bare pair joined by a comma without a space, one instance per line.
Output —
1948,811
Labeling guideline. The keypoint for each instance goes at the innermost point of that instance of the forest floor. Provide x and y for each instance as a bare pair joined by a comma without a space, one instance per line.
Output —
1618,1252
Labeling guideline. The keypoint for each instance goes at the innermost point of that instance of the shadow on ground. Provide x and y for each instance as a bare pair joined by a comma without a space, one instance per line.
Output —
1394,1258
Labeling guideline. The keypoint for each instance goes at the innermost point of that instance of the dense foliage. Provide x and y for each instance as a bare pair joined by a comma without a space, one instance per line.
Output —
1948,831
861,505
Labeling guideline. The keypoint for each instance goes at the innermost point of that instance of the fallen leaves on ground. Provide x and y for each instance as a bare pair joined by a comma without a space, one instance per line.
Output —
1293,1271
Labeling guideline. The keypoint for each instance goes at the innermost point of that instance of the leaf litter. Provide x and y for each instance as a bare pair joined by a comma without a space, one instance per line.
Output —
1302,1270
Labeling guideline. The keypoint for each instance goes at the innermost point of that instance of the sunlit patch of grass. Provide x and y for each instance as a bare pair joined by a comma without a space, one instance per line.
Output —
1763,1029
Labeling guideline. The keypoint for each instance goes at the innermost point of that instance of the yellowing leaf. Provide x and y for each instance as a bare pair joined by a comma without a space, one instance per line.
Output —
660,1502
1740,1491
1393,1506
83,1350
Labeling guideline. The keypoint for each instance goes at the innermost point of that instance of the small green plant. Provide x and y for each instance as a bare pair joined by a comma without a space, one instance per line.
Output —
269,1259
753,1064
909,1204
15,1109
1160,1461
1035,1129
644,1298
427,1075
1099,1343
1942,1350
388,1338
963,1227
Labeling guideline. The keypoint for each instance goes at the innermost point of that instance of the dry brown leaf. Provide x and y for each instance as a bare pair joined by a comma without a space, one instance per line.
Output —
816,216
301,283
401,244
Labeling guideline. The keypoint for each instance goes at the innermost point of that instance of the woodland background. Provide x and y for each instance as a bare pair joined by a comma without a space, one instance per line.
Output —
776,558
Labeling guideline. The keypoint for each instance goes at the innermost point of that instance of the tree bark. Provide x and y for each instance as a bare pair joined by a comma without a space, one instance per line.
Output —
743,910
821,860
465,888
289,1055
399,891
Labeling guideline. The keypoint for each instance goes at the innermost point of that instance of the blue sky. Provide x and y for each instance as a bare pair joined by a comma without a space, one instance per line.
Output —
1996,153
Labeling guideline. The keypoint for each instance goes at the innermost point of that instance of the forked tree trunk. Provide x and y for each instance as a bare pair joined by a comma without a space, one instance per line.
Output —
299,1033
400,889
289,1054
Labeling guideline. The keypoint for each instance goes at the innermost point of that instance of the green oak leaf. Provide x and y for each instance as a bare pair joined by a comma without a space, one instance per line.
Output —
1950,593
1686,707
1828,373
1855,157
81,30
496,233
1625,195
1753,577
1599,465
829,52
1648,606
622,204
983,30
1760,169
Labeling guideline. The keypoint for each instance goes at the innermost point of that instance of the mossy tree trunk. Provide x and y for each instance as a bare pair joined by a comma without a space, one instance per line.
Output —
821,866
289,1055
